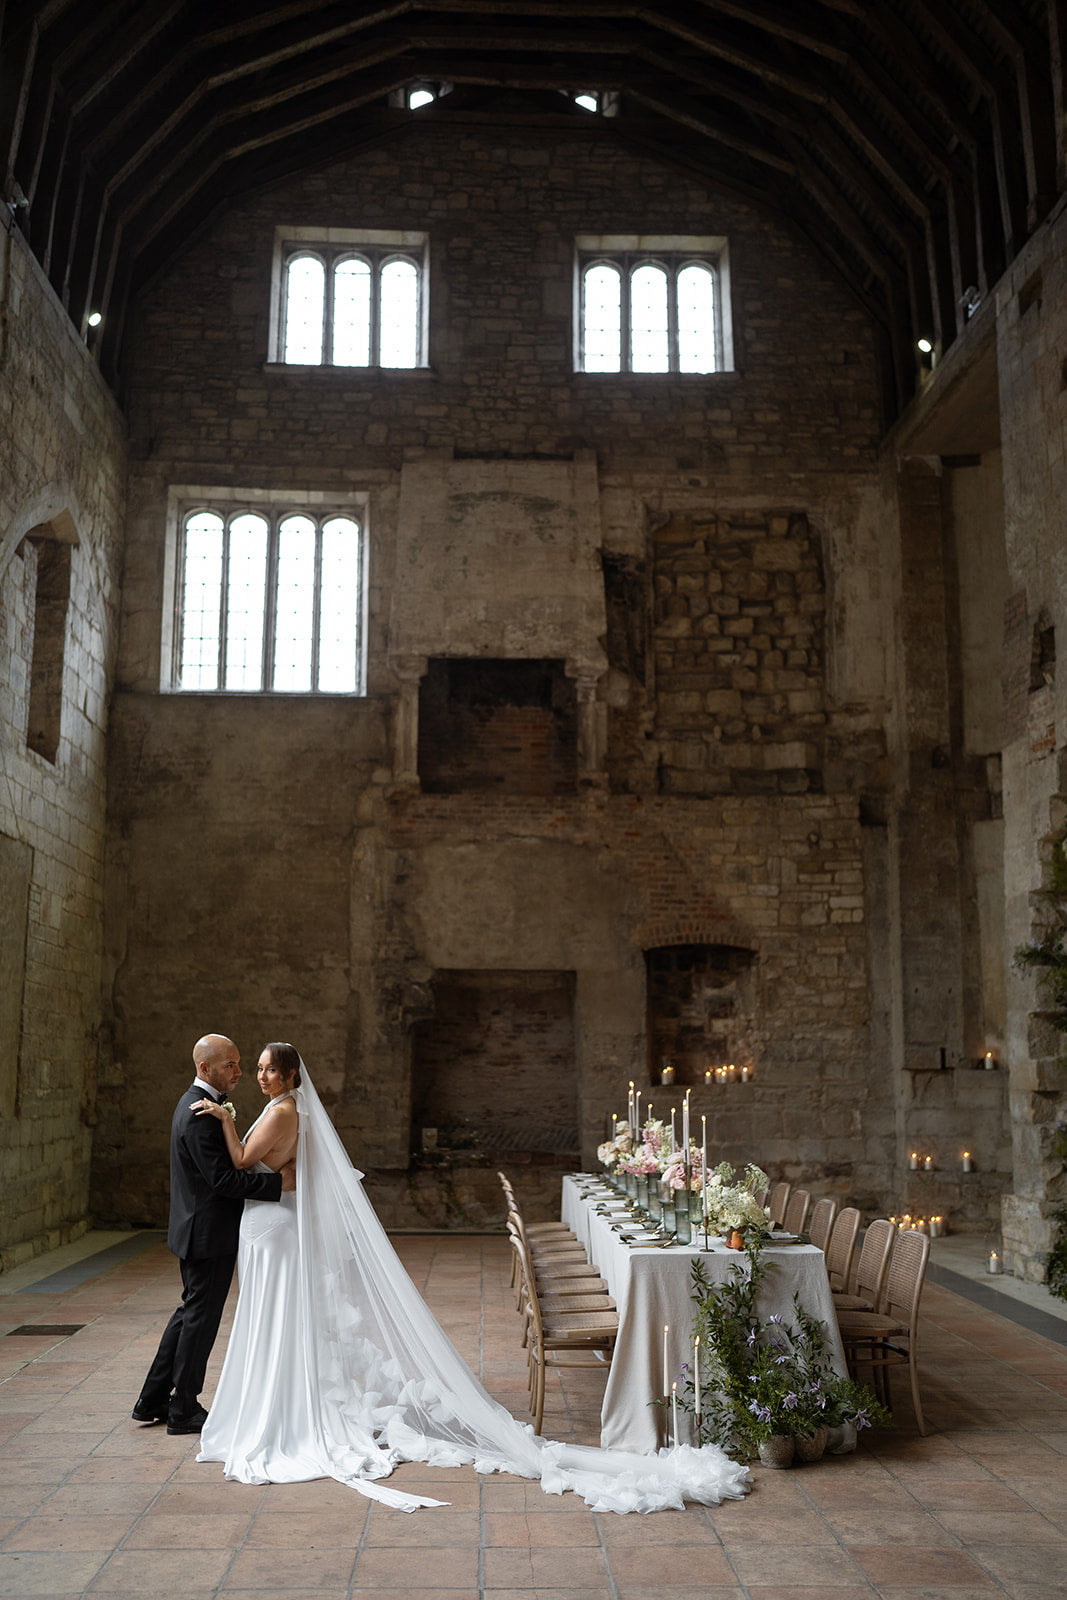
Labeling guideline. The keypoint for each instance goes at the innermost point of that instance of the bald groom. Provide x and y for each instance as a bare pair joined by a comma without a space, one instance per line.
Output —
207,1194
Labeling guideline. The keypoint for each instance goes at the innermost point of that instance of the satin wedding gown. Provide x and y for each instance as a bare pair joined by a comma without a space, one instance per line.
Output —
337,1368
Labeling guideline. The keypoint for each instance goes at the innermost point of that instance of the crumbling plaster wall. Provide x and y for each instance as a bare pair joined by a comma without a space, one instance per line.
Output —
62,478
270,875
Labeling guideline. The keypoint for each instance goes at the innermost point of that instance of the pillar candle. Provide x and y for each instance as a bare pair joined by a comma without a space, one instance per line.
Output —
994,1262
965,1161
696,1371
913,1161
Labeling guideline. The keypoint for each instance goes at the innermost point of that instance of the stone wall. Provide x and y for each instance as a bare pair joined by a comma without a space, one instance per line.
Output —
62,486
714,559
1031,329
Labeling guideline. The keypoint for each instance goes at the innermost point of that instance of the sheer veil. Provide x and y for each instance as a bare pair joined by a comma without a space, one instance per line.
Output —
384,1384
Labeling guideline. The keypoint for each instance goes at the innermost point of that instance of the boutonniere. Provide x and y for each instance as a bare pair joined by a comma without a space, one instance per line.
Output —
227,1105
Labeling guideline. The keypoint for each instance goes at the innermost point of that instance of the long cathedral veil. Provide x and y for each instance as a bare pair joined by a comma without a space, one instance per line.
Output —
386,1385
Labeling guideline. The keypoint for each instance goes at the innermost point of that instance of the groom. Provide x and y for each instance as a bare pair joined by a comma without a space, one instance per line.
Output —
207,1194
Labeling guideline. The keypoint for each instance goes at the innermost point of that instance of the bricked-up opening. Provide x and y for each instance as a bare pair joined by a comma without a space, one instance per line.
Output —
494,1067
700,1008
49,639
499,727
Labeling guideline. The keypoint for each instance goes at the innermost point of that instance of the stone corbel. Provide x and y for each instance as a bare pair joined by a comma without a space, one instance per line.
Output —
408,671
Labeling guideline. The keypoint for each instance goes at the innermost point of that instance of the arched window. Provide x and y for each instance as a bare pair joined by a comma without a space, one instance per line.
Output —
601,318
346,307
399,314
352,313
640,313
270,601
697,318
305,306
649,333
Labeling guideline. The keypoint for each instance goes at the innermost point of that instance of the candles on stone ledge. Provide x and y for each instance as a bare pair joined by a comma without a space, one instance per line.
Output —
966,1164
996,1266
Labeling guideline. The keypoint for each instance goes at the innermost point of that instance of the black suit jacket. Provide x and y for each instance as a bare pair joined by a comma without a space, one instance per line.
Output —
206,1190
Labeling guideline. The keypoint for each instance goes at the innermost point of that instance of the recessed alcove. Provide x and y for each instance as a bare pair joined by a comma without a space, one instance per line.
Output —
498,727
700,1008
493,1068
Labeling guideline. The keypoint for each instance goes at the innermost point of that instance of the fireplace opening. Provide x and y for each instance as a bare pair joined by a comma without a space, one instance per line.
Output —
493,1069
701,1008
500,727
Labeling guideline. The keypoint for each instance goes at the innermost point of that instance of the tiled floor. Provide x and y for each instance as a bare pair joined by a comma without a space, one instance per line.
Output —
90,1503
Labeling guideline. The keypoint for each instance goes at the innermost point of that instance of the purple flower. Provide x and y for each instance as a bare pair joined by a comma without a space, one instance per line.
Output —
862,1420
781,1361
791,1401
775,1319
761,1412
750,1341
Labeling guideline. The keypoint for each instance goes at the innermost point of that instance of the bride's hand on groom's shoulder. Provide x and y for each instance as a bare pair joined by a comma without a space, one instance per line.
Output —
208,1107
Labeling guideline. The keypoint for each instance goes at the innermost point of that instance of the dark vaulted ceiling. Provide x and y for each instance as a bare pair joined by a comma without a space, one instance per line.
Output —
916,143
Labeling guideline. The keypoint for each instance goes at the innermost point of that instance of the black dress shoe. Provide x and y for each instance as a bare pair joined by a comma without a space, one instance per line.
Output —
189,1424
145,1413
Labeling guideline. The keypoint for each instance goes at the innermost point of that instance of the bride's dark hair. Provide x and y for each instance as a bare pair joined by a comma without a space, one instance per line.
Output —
287,1060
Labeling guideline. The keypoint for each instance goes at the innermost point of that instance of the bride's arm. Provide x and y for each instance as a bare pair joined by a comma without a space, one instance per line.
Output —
274,1136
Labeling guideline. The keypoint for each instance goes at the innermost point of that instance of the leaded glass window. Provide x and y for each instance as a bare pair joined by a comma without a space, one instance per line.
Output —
270,601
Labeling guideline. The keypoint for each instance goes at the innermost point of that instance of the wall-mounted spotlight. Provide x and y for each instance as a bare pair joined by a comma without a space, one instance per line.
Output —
926,347
94,319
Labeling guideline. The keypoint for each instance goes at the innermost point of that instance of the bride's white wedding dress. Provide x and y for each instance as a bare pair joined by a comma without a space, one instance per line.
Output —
337,1368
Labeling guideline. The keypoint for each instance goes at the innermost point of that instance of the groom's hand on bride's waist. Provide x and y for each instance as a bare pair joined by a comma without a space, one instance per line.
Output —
288,1173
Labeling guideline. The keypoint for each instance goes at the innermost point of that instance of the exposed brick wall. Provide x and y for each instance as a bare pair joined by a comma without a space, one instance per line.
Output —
504,727
498,1054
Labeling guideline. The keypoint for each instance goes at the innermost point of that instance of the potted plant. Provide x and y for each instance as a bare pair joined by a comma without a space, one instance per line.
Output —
766,1383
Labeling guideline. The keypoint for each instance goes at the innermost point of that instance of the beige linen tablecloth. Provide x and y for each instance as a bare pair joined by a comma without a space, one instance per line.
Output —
652,1287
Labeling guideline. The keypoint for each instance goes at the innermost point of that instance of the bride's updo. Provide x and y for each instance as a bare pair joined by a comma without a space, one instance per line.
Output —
287,1060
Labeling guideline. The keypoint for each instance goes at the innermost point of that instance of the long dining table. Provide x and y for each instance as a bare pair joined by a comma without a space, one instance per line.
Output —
652,1288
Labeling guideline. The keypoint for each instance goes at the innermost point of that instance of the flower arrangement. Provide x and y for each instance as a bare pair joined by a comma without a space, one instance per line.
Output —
613,1151
732,1205
762,1378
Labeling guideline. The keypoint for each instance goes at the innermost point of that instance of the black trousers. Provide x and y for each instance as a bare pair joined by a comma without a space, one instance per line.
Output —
176,1376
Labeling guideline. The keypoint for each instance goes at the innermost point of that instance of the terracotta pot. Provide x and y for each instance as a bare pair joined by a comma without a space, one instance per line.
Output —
777,1451
811,1446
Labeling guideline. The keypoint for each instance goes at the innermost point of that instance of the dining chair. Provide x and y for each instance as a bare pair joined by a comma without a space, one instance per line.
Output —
554,1274
823,1216
841,1246
778,1201
534,1230
586,1339
865,1291
885,1339
796,1212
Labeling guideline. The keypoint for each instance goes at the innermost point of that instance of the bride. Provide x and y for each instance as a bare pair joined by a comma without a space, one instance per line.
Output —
337,1368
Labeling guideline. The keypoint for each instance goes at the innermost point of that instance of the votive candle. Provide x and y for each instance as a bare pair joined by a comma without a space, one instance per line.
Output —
995,1264
966,1164
913,1161
928,1163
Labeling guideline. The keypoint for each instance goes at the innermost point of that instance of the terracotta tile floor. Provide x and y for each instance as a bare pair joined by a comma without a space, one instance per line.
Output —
92,1504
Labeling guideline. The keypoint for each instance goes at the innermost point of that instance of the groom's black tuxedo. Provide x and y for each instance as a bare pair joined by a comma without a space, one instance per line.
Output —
207,1194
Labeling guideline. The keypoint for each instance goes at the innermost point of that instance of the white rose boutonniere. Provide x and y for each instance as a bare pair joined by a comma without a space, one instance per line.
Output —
227,1105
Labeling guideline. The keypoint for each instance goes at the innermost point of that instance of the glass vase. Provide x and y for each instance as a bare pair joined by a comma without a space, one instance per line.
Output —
667,1210
642,1192
683,1231
655,1202
631,1185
